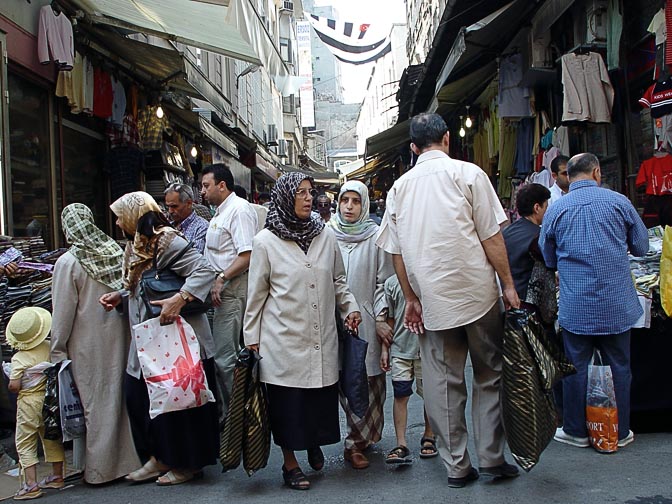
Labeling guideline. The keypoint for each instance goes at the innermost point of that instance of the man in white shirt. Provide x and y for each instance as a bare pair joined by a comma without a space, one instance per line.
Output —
447,275
559,174
228,246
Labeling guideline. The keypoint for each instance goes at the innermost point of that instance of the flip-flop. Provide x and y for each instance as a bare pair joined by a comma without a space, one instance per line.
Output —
52,481
433,452
175,477
27,492
399,455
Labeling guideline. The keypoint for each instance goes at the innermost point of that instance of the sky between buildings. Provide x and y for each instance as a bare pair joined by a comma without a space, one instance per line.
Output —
355,77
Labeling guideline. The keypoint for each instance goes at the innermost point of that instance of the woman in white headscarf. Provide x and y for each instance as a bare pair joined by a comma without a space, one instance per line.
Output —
96,342
366,268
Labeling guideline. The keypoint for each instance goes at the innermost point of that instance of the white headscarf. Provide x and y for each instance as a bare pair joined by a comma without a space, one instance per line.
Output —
363,227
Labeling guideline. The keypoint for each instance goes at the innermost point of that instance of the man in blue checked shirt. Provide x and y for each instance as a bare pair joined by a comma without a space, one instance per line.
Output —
586,235
180,200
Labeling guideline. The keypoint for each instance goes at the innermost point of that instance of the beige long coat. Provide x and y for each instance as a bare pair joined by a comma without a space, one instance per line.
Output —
291,306
97,343
366,268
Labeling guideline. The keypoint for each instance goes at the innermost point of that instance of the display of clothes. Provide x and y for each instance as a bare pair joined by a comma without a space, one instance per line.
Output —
656,174
507,153
103,93
524,147
77,85
588,94
151,128
118,102
513,99
658,97
123,166
55,41
126,135
561,139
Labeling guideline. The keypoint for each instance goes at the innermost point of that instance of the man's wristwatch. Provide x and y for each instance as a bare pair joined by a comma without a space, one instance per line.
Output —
382,316
221,275
184,296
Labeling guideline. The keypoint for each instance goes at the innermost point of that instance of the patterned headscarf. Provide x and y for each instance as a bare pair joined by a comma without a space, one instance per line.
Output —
140,252
99,255
282,220
363,227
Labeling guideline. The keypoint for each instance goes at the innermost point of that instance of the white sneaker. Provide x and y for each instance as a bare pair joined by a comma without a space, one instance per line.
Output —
626,440
562,437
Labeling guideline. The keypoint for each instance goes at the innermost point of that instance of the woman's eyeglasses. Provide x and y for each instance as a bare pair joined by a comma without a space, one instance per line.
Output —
304,193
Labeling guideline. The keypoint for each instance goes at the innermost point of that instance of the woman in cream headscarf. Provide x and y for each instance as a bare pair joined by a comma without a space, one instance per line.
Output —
178,443
90,269
366,268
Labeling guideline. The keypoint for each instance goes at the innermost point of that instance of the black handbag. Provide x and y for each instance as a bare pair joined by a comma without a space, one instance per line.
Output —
157,284
354,382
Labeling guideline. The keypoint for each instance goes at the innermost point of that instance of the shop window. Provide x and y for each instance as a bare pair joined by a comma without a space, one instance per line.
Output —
82,178
30,190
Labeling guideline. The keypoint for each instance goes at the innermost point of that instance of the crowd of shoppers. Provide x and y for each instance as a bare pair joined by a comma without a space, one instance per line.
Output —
425,289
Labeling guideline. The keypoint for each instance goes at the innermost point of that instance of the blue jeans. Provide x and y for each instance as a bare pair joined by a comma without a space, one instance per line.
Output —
615,350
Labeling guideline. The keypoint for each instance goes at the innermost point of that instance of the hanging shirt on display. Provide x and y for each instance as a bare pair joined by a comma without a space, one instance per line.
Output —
118,102
662,127
561,139
514,100
151,128
588,93
656,174
103,94
658,27
54,35
658,98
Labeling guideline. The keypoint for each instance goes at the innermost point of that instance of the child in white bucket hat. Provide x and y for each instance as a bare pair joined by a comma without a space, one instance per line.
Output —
26,332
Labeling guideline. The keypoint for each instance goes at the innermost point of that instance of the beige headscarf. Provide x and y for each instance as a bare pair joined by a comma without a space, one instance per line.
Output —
139,253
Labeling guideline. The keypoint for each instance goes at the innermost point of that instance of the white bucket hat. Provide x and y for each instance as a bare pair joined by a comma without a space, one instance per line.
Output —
28,327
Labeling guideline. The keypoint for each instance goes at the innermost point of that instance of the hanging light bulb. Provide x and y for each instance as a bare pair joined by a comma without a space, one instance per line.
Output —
468,122
159,112
194,151
462,132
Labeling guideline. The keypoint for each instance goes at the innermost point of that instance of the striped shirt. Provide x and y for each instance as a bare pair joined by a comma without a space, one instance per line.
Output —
586,235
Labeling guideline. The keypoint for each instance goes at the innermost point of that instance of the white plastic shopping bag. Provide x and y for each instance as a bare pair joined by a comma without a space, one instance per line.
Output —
73,423
170,359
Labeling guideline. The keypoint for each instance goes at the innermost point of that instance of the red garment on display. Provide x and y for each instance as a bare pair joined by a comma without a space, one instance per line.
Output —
658,97
103,94
656,173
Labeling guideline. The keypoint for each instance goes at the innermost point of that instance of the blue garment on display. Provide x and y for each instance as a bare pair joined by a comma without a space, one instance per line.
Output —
523,161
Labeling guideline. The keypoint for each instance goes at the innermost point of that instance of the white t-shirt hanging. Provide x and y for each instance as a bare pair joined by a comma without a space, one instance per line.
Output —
658,27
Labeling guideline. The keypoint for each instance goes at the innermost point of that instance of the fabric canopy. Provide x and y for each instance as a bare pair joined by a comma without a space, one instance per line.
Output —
192,23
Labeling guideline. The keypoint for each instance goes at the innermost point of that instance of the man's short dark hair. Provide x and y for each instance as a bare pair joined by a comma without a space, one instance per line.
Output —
557,163
427,129
582,164
264,196
220,172
528,196
240,191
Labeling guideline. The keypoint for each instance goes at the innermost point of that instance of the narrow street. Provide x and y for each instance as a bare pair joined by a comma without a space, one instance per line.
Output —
638,474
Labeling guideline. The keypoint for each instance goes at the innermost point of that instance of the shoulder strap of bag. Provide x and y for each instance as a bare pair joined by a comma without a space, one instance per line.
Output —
175,259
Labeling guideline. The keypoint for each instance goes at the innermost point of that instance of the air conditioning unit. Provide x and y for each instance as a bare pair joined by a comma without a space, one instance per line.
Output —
272,135
287,6
596,21
282,147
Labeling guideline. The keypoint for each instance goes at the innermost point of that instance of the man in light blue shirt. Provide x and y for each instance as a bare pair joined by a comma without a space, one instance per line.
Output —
586,235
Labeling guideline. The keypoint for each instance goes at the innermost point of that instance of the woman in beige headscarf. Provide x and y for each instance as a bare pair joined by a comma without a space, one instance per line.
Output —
178,443
90,269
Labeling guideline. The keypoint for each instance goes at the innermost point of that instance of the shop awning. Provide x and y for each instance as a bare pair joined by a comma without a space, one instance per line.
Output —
483,40
159,66
192,23
452,96
197,123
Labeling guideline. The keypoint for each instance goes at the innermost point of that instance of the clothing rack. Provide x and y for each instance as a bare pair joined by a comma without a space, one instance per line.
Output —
593,46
